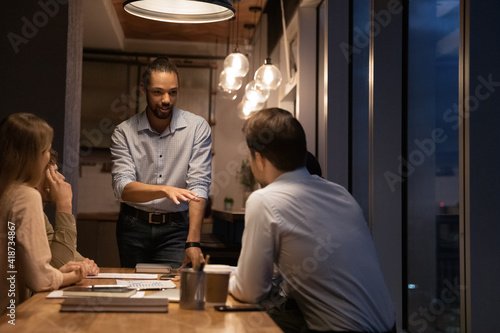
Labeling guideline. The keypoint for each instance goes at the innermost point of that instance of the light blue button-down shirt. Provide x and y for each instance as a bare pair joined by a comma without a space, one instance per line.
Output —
315,233
181,156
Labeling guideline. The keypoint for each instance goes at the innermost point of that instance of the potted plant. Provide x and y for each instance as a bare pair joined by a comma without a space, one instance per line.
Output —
228,203
247,179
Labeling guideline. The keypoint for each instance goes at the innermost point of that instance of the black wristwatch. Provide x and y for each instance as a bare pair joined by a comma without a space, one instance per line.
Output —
192,244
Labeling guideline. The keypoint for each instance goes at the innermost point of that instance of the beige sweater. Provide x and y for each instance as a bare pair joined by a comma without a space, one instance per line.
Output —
62,239
27,263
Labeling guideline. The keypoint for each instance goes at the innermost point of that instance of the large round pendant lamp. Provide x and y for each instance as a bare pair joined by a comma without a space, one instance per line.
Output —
181,11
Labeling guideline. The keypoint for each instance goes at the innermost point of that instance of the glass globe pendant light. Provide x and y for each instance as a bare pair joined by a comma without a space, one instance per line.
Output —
255,91
253,105
228,81
246,107
238,62
268,75
227,94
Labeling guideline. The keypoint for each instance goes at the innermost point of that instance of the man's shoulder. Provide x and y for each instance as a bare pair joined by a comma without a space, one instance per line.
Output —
131,122
303,185
191,117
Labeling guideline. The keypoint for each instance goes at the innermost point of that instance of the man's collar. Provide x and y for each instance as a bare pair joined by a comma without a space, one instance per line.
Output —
178,121
293,175
143,122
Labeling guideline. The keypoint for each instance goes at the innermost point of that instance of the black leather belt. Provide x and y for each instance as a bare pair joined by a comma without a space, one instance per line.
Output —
152,217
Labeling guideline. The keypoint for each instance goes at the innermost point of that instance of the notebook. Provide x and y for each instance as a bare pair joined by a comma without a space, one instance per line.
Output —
100,304
152,268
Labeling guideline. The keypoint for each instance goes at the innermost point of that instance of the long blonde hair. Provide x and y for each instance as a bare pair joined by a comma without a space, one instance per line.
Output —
22,137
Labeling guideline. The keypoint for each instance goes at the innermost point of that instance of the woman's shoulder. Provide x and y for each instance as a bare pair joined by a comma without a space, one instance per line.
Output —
24,193
21,202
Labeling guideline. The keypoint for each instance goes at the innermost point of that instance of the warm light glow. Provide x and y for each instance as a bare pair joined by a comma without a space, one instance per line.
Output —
238,62
246,108
181,11
255,91
268,75
228,94
228,81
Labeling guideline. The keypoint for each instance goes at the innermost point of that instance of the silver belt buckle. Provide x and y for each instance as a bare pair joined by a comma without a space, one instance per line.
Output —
155,222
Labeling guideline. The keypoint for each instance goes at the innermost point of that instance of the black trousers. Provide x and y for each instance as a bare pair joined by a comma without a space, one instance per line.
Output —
287,315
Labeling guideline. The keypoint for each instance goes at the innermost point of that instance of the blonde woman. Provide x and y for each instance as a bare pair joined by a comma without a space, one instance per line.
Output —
24,250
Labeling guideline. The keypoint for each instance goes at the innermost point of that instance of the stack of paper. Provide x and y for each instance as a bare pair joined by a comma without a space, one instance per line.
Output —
152,268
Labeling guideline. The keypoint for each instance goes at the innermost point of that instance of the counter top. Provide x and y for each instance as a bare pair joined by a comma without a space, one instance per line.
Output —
229,216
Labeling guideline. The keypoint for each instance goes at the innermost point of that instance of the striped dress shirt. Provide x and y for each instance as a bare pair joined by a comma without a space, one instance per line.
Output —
181,156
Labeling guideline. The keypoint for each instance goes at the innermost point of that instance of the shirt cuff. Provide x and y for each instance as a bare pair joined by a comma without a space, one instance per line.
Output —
201,191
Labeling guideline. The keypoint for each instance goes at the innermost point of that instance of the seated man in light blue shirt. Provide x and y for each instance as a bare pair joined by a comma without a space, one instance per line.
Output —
314,232
161,172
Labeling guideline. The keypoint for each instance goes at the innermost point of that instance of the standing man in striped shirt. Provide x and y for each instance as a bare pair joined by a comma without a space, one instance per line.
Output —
161,173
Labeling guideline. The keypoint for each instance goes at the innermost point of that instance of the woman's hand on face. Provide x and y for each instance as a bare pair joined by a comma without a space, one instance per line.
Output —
60,191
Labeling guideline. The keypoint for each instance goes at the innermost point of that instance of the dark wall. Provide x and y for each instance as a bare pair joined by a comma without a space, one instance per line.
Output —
41,51
274,19
484,91
34,62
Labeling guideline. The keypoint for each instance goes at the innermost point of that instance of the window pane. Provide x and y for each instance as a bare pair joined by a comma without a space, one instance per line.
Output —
360,102
432,167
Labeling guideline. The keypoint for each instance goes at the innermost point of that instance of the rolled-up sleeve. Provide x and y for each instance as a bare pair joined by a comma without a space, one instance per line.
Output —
200,163
123,171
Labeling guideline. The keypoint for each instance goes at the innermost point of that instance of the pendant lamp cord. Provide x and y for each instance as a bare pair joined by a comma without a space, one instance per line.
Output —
237,24
285,38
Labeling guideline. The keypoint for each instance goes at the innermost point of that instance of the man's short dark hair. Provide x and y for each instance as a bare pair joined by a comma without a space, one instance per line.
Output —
277,136
160,64
312,165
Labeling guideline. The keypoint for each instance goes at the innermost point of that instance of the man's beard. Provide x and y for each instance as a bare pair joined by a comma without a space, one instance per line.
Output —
162,115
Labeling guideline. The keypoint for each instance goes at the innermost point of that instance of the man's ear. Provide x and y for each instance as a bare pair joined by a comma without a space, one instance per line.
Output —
259,161
143,89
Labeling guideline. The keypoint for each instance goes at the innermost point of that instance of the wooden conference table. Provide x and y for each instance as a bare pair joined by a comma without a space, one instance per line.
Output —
39,314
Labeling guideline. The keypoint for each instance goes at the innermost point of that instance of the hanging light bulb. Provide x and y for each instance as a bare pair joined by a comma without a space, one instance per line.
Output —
238,62
227,94
228,81
268,75
253,105
255,91
245,108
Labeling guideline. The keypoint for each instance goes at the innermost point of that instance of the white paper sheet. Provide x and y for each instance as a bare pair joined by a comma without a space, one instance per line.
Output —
148,284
